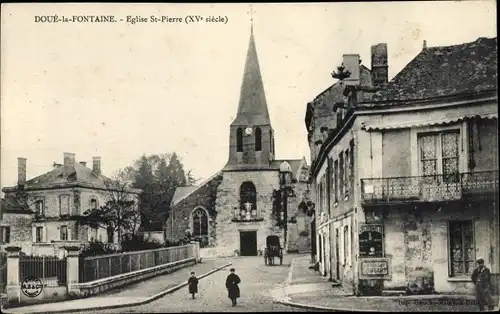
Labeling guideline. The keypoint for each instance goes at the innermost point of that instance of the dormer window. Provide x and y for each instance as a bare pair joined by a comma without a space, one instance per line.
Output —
93,203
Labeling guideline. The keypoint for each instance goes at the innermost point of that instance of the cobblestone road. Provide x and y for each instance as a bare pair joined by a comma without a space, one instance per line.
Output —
257,282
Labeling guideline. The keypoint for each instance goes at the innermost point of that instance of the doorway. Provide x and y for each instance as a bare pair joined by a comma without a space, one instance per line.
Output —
337,255
248,243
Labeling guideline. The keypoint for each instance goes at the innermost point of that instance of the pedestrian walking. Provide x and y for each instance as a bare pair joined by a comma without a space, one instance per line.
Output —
232,281
193,284
481,278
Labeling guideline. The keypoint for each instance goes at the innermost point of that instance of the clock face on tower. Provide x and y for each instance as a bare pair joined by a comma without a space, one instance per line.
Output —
248,131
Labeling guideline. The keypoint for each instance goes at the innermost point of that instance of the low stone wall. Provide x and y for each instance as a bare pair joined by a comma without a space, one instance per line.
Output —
95,287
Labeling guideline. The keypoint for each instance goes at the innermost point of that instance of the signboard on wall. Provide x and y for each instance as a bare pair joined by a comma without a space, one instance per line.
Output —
371,240
375,268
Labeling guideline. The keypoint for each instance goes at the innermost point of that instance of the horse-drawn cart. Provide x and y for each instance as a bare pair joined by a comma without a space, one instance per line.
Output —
273,249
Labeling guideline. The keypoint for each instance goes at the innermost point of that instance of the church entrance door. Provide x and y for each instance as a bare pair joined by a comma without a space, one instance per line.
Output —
248,243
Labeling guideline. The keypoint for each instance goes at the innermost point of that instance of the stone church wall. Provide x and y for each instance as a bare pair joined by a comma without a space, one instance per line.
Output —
228,232
179,219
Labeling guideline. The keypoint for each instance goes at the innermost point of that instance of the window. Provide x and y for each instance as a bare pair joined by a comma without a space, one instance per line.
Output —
63,233
341,174
351,164
336,180
200,222
462,259
4,234
239,140
248,196
258,139
332,182
93,234
439,154
321,198
346,172
93,203
39,234
74,232
346,243
329,183
64,204
111,234
39,208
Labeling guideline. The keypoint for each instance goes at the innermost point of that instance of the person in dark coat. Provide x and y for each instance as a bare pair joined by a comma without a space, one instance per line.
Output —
481,278
193,284
232,281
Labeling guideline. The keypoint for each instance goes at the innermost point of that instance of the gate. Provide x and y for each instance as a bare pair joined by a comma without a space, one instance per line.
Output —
51,270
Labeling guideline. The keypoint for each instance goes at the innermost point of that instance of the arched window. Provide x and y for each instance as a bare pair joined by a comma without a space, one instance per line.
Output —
248,194
200,222
258,139
239,140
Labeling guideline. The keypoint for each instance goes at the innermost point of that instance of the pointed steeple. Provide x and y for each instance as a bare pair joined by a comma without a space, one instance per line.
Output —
252,108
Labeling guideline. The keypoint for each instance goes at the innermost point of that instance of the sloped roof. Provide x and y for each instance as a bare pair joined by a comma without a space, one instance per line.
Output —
446,71
252,108
73,175
182,191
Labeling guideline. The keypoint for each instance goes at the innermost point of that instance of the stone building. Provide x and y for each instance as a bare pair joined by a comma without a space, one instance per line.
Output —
37,213
323,117
417,204
238,207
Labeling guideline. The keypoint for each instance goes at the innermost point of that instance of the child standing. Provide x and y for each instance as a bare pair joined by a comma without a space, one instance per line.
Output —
193,284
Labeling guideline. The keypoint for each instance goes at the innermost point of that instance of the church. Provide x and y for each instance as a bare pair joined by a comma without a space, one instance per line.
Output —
234,211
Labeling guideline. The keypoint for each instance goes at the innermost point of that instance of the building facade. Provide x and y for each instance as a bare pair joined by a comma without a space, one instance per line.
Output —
421,183
236,209
37,214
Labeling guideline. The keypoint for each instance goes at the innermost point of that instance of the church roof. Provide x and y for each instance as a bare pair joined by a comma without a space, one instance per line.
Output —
182,191
252,108
185,191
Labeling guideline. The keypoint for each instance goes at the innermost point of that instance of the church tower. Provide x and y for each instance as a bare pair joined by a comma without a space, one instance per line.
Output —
251,139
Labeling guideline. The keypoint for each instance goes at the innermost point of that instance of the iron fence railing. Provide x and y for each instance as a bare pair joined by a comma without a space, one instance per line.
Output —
50,270
99,267
428,188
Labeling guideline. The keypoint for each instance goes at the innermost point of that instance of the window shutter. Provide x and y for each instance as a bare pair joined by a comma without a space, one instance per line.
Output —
44,234
69,234
33,231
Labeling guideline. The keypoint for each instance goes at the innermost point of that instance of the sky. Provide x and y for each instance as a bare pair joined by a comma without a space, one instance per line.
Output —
119,91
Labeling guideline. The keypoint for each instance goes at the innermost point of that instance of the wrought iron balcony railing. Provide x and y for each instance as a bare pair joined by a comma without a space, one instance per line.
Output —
429,188
247,216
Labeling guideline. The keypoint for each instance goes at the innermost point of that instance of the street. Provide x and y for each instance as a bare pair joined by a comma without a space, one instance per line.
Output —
257,281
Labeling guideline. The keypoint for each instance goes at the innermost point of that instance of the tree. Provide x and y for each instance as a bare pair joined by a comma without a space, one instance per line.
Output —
342,73
120,213
158,176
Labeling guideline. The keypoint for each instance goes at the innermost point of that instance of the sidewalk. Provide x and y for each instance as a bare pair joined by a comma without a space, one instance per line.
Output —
131,295
307,289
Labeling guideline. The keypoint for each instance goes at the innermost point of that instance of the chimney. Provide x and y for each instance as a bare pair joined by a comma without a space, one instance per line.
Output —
351,63
83,163
380,74
425,44
69,159
96,165
21,171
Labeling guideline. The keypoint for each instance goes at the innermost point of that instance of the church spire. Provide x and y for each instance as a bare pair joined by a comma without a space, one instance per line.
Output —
252,108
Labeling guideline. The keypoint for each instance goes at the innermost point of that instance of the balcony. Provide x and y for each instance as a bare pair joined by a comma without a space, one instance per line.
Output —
247,216
434,188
